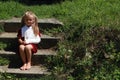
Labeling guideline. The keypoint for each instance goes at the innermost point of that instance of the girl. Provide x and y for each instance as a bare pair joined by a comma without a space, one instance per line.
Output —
28,38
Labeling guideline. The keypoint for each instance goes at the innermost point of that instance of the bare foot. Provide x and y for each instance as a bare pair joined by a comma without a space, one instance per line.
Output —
23,67
28,66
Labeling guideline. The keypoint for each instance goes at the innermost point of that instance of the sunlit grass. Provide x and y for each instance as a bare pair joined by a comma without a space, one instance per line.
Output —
91,12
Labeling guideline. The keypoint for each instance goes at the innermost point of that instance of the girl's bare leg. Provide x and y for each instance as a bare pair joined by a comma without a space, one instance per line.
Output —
23,56
28,49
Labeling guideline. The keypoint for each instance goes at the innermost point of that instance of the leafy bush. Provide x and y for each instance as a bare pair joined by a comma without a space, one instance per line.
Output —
87,54
4,61
102,49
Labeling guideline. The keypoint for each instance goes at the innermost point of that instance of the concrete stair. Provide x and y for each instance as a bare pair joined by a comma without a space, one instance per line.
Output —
35,70
46,41
12,25
47,47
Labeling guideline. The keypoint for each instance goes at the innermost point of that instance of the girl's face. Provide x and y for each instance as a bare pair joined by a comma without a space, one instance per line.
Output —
29,20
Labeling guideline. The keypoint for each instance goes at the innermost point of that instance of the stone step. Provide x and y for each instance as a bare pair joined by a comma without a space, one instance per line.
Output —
12,25
11,40
14,35
39,52
37,58
35,70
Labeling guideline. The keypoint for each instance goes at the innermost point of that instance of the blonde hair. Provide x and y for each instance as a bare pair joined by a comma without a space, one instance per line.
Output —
35,26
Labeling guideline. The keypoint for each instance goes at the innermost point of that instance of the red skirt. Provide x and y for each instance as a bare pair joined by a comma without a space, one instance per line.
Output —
34,49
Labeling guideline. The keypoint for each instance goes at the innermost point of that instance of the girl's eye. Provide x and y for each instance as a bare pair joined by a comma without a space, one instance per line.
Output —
29,20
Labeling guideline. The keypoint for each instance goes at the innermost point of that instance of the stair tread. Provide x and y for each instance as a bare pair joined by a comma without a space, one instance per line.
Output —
12,25
14,35
47,20
40,52
35,70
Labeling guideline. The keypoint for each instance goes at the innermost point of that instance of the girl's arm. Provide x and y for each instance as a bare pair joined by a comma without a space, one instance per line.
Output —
19,36
34,40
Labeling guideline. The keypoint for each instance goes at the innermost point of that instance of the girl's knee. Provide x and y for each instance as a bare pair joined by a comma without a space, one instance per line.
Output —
28,47
21,46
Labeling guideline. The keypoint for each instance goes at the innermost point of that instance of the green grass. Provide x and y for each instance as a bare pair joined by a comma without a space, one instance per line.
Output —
87,12
77,15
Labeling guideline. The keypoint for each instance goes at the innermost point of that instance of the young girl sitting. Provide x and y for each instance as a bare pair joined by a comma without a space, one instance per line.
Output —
28,38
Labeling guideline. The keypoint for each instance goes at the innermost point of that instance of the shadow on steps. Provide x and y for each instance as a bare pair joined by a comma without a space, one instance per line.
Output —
16,62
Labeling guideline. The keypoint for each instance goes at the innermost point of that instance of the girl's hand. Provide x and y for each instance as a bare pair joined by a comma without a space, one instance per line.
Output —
24,42
21,41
